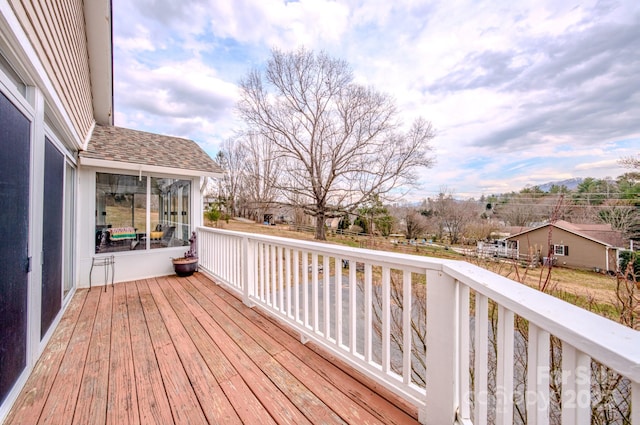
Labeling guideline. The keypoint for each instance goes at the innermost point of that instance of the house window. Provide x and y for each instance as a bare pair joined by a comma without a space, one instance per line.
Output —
132,216
560,250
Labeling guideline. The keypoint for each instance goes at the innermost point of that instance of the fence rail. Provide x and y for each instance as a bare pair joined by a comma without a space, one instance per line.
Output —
419,325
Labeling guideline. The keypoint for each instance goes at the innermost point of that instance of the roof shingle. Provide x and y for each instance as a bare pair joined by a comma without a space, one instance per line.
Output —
119,144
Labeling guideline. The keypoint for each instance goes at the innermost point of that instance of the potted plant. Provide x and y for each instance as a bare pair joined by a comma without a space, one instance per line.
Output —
187,264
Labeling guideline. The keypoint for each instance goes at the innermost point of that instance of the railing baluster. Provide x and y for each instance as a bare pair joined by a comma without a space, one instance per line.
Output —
326,295
226,257
280,266
407,330
273,281
287,271
353,312
462,351
504,375
576,386
296,284
314,290
246,267
235,261
261,253
386,319
267,274
481,370
537,395
305,287
368,324
338,295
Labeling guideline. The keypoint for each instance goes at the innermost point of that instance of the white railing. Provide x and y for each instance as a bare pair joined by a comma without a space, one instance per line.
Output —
375,320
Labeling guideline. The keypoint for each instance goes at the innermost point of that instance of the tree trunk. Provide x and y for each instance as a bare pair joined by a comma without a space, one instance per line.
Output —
320,233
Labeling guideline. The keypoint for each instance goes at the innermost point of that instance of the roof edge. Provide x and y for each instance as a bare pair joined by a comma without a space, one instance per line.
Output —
582,235
99,30
130,166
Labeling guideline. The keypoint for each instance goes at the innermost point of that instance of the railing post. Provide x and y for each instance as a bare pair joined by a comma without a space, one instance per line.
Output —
248,271
441,363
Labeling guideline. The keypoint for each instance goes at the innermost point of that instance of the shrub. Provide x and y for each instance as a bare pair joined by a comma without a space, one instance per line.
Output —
627,257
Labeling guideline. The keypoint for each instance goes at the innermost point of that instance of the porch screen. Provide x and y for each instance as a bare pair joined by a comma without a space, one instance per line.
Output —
131,216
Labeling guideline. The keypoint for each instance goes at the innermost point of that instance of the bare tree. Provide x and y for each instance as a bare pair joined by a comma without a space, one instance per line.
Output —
261,172
620,215
340,142
453,215
416,224
231,158
630,162
523,209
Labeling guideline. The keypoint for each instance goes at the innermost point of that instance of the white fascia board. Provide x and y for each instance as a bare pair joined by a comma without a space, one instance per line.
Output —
30,64
97,15
129,166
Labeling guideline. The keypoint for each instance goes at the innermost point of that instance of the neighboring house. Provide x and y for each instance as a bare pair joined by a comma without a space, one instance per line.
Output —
585,246
67,176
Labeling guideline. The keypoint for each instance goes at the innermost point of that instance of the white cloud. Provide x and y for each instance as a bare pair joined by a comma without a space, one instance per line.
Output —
518,92
607,164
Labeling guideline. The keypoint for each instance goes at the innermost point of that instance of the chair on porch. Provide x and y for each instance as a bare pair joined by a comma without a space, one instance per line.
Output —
167,235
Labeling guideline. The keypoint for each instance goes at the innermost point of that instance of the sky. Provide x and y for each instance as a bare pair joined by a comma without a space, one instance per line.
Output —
520,93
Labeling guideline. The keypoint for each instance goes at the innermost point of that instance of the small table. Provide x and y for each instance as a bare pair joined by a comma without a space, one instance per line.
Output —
103,262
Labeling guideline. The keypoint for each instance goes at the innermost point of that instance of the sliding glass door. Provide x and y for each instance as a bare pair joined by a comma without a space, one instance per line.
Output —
15,135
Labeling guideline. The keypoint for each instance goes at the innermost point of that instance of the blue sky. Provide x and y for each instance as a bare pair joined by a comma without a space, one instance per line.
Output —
520,93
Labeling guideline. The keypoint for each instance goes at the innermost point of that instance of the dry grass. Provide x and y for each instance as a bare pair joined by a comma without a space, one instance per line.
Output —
119,216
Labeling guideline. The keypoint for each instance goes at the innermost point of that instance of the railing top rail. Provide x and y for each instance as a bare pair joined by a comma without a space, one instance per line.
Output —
375,256
611,343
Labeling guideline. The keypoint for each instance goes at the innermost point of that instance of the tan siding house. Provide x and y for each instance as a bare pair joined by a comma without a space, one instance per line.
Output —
584,246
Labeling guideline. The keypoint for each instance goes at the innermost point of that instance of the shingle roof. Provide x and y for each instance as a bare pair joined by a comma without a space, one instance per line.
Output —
124,145
601,233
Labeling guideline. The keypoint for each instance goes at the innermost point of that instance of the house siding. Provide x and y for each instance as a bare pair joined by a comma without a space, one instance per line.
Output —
583,253
56,30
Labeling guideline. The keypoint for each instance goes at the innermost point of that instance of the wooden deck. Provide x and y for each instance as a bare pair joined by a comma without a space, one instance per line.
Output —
185,351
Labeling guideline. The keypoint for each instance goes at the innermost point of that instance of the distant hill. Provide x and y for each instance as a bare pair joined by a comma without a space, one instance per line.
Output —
571,184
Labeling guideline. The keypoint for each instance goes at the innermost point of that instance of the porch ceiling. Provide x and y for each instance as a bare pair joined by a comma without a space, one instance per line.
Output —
183,350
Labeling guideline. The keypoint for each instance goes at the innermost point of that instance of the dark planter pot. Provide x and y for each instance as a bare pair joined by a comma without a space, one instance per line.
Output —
185,266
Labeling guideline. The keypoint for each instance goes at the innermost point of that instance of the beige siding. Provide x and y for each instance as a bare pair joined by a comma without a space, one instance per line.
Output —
583,253
56,29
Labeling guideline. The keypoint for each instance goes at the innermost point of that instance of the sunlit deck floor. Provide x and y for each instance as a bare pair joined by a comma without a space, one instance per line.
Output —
186,351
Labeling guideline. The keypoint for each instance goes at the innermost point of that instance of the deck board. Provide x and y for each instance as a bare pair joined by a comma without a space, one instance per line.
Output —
69,374
153,404
212,399
122,398
95,380
185,351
